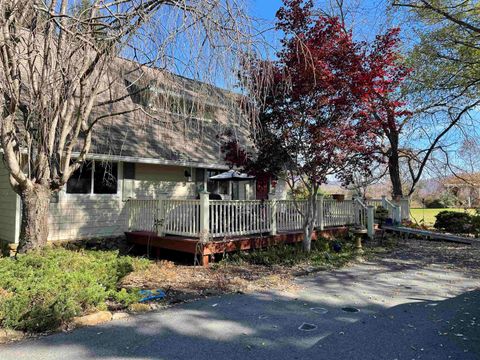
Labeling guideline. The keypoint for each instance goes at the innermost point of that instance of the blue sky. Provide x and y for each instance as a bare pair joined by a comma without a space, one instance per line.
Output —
265,9
367,18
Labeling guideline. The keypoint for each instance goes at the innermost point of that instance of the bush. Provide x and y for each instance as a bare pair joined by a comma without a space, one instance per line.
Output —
322,254
454,222
435,204
41,290
381,214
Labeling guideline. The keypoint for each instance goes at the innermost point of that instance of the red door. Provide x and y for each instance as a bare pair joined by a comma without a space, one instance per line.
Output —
262,188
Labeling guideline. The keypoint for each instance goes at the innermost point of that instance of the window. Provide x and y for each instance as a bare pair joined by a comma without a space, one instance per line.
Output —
94,178
105,178
81,180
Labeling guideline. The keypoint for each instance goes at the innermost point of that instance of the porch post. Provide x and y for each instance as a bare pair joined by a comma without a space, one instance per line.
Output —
321,221
398,214
272,201
405,201
384,201
160,220
204,215
370,221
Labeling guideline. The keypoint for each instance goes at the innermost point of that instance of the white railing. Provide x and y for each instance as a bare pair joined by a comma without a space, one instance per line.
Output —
337,213
405,208
180,217
364,216
374,202
223,218
360,213
403,205
288,217
239,217
394,211
142,214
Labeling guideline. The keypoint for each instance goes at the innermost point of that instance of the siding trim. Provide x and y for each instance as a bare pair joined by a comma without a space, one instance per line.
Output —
135,159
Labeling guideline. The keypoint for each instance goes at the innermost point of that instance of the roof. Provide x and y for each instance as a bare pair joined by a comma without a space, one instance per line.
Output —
177,121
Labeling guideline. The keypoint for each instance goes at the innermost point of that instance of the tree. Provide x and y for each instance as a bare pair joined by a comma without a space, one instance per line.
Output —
387,105
58,61
446,79
318,105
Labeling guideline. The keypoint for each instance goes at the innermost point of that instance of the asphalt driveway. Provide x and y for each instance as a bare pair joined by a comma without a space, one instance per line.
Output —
408,309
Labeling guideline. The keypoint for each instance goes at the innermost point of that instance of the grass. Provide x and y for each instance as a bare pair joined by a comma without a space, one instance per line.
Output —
42,290
427,216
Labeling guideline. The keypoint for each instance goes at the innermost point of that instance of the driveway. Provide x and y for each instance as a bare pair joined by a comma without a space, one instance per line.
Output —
410,307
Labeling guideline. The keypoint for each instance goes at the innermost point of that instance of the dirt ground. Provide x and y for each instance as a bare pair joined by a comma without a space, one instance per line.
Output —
183,283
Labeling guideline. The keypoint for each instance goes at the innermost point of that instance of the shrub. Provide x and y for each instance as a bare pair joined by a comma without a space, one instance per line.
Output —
454,222
435,204
381,214
322,253
42,290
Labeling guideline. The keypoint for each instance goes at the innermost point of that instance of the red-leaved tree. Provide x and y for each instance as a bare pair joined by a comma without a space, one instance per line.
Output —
387,105
317,112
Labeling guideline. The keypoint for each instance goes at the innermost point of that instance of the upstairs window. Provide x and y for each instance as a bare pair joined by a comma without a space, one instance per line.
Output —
94,177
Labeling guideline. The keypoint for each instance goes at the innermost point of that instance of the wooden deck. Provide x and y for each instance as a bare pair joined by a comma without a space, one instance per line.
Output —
220,245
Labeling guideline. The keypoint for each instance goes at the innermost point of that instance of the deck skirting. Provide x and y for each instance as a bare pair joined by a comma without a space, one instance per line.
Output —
224,245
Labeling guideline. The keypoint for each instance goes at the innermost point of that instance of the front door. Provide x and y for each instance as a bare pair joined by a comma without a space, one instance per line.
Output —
262,188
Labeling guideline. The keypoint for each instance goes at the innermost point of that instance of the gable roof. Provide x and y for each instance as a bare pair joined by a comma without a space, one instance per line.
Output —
158,131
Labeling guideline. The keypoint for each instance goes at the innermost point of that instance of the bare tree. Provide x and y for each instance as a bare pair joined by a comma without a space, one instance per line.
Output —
57,74
445,82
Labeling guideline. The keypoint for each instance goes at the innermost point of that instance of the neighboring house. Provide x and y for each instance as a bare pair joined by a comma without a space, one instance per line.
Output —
171,145
465,187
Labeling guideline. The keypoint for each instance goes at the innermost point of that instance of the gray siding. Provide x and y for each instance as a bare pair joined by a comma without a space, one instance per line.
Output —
82,216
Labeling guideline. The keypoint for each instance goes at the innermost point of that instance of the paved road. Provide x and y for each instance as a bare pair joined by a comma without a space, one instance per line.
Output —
407,311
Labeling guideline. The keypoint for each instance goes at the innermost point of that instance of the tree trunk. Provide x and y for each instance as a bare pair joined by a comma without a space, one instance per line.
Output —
34,228
309,224
394,166
307,239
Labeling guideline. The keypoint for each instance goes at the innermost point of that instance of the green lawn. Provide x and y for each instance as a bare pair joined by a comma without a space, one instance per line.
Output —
428,215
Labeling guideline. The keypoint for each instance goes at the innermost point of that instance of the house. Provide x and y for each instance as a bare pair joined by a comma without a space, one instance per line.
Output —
171,145
148,169
464,187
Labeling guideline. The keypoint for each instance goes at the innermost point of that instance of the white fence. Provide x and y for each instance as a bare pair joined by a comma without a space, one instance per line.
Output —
237,217
338,213
180,217
288,218
224,218
142,214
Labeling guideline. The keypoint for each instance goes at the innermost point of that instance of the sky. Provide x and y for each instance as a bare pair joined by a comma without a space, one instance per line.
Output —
367,18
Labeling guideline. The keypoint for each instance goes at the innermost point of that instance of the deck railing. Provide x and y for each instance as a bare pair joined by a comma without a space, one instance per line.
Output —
288,218
338,213
224,218
239,217
142,214
180,217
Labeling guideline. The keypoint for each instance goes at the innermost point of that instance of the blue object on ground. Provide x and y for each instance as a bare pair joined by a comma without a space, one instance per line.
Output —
337,247
389,221
149,295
